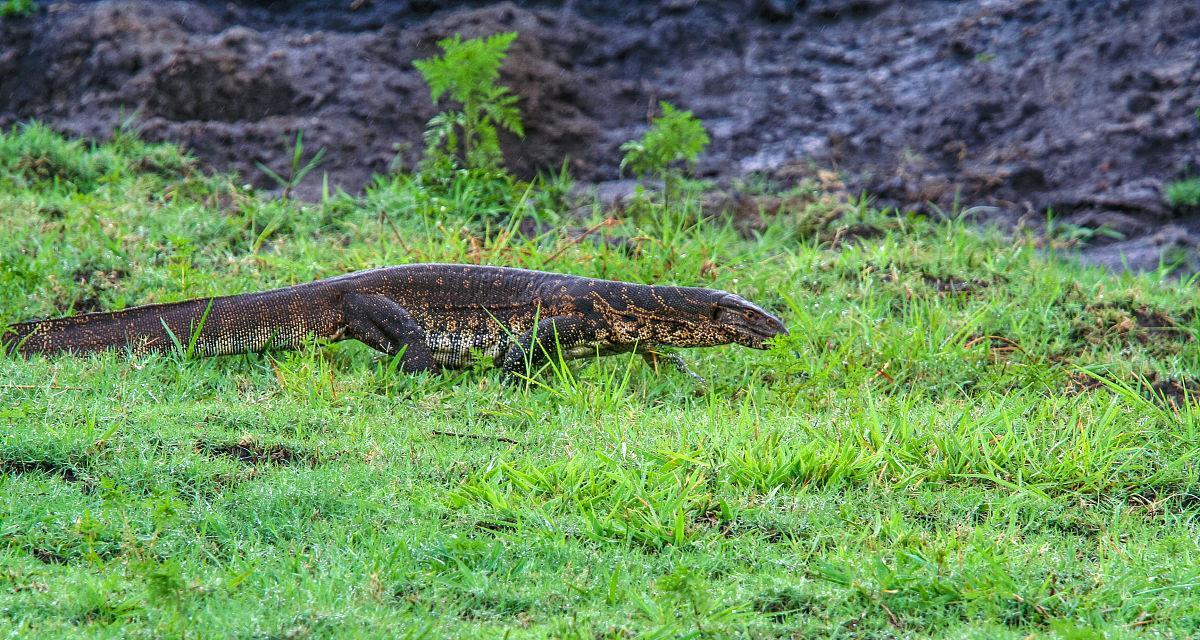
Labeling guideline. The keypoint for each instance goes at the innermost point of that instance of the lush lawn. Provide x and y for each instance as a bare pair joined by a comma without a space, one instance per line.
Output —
962,437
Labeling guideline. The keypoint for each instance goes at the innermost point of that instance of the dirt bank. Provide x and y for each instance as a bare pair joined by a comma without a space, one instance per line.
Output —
1086,107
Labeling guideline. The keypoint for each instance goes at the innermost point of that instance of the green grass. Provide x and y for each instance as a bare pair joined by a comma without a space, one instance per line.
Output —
17,8
1184,193
963,437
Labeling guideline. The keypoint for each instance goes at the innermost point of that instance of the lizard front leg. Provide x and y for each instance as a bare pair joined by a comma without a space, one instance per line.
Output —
383,325
534,348
652,358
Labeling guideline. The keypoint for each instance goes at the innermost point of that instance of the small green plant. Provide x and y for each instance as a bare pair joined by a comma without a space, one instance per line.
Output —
17,8
676,137
1065,234
1184,193
468,71
297,170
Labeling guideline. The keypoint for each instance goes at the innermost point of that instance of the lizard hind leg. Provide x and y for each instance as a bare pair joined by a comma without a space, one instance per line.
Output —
380,323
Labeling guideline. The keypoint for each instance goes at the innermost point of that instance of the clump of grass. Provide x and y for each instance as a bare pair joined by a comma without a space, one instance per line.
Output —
18,8
1184,193
34,157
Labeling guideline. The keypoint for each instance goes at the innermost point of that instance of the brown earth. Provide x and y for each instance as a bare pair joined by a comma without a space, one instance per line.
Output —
1082,106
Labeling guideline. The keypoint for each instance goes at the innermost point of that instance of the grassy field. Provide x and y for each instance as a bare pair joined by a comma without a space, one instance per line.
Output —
962,437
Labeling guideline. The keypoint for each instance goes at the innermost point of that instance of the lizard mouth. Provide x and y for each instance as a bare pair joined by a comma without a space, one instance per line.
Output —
757,337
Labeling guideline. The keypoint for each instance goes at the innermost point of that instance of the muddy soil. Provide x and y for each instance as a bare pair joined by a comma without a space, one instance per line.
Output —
1086,106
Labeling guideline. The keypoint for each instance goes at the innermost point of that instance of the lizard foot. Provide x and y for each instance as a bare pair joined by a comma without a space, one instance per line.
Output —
653,357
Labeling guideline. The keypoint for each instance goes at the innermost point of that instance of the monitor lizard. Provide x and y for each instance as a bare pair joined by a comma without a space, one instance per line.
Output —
431,315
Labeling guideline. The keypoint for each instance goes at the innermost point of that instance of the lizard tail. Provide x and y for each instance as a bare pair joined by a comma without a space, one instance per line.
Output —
282,318
142,329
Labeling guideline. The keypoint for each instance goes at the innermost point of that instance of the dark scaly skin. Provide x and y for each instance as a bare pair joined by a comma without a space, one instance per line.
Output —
437,315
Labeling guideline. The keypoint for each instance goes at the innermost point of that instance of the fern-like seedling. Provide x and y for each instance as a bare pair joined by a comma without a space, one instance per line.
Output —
467,72
674,138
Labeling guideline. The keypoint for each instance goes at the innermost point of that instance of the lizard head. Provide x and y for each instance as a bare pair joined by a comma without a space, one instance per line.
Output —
683,317
744,322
